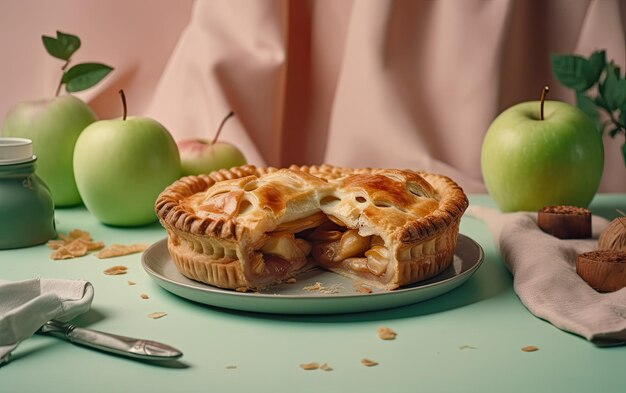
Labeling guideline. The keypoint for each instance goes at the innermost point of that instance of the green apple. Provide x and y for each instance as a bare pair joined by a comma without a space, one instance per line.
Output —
530,161
54,126
202,156
122,165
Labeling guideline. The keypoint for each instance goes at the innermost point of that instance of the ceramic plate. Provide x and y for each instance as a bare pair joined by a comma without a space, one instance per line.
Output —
333,295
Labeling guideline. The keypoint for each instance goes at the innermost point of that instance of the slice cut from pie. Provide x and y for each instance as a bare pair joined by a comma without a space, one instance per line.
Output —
247,228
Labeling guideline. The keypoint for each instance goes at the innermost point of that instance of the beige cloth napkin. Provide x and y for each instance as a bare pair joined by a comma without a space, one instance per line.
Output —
26,305
545,279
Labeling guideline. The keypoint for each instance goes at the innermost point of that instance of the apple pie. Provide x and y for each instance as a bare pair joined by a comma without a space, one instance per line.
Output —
247,228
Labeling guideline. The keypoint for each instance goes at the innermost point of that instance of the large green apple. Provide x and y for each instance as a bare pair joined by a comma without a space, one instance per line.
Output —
54,126
121,166
529,162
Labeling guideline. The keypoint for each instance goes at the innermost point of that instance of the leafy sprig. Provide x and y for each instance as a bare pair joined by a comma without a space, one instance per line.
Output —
582,74
81,76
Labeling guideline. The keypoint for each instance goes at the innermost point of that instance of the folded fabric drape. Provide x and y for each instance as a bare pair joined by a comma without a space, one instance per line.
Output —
406,83
411,84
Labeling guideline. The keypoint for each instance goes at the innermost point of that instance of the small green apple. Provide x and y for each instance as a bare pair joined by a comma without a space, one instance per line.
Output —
122,165
201,156
529,160
54,126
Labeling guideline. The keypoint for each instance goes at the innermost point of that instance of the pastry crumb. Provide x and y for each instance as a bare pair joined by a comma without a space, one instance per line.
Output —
242,289
292,280
309,366
131,282
157,315
386,333
530,348
116,270
231,367
144,296
362,288
466,347
368,362
325,367
319,287
335,288
315,287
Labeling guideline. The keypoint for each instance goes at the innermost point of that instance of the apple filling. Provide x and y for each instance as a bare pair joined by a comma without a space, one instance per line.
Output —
336,246
284,250
281,255
329,245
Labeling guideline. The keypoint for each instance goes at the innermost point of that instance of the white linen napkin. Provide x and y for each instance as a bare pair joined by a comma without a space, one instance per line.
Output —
26,305
545,279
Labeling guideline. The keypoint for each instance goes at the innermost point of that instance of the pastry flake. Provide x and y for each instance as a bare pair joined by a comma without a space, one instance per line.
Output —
116,270
385,333
251,227
76,243
118,250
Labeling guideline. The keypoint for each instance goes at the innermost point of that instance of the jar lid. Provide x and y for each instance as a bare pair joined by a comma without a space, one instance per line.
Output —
15,151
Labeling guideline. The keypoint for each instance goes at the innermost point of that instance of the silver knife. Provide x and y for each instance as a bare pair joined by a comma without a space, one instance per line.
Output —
119,345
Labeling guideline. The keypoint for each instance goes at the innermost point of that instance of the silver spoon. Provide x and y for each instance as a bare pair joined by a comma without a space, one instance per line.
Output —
119,345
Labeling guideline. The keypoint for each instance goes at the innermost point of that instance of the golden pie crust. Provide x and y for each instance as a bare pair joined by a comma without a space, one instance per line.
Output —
250,227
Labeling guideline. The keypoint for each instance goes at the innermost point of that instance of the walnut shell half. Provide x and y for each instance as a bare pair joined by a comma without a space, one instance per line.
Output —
565,222
603,270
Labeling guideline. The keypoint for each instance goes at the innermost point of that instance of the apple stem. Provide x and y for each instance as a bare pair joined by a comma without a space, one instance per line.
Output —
61,81
123,103
59,88
544,92
219,129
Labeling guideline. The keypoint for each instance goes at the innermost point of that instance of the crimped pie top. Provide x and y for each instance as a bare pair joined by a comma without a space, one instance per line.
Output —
244,203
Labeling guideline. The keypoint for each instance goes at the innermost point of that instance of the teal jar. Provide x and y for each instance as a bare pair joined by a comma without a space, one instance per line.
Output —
26,206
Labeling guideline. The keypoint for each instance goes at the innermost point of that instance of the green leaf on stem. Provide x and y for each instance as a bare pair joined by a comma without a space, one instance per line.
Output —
624,152
597,63
586,104
70,42
63,46
575,71
614,89
601,102
83,76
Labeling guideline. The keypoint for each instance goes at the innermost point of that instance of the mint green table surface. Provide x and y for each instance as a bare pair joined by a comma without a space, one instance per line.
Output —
468,340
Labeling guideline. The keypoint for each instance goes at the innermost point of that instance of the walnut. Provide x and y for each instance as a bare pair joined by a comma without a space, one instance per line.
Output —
614,236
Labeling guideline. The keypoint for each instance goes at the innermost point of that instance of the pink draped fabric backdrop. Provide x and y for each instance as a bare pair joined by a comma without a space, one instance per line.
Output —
407,83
